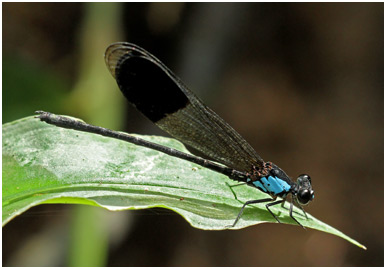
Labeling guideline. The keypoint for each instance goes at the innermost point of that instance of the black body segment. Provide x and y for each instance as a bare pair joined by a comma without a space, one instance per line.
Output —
161,96
69,123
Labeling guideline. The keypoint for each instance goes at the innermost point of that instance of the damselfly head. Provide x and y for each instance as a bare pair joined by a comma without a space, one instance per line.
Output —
305,193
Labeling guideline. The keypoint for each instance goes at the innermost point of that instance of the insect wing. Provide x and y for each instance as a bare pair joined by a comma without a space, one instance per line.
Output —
162,97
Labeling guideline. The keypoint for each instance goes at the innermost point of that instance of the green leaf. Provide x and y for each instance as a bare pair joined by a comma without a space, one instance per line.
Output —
47,164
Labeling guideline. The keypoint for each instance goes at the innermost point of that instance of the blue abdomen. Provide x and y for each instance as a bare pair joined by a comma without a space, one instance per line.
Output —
272,185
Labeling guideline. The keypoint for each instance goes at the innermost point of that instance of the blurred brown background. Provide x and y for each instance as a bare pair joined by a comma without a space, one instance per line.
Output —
302,82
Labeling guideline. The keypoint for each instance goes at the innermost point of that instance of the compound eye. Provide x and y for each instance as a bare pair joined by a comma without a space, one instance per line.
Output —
305,177
304,196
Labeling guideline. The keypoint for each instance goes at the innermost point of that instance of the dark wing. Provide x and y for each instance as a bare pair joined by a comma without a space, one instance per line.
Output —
162,97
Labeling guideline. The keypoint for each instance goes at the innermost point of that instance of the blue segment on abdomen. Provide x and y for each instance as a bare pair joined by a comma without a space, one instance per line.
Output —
260,186
272,185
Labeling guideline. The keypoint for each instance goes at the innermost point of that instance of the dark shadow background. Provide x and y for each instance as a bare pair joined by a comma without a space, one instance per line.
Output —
302,82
